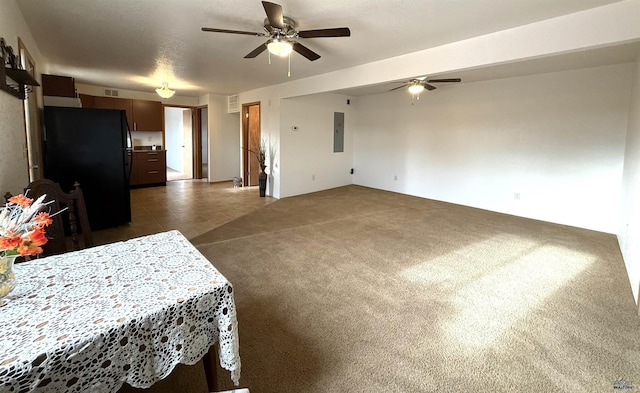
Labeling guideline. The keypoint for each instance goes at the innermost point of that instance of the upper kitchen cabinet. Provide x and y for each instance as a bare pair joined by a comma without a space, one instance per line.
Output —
147,115
87,100
58,86
125,104
142,115
116,103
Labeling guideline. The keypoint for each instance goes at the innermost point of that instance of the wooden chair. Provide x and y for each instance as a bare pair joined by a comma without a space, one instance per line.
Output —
70,229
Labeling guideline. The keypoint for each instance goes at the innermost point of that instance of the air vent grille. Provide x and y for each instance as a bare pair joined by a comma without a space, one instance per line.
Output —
233,104
111,92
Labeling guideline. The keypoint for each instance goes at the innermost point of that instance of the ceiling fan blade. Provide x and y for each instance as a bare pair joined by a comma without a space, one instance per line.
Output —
306,52
444,80
399,87
429,87
256,51
335,32
211,29
274,14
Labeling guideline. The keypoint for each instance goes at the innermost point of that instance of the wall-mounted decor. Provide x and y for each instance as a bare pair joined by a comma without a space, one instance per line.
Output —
13,79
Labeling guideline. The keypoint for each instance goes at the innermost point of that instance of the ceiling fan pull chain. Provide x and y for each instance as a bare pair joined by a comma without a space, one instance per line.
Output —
289,72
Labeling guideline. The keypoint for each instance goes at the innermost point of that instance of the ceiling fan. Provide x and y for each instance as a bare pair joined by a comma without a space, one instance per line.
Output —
417,85
282,34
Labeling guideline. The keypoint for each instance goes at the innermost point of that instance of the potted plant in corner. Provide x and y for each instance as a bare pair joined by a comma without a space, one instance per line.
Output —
261,156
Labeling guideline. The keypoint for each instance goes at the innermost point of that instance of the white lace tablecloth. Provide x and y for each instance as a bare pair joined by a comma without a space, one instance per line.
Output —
124,312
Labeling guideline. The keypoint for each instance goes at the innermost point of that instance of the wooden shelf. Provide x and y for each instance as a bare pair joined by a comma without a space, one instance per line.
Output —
21,76
15,80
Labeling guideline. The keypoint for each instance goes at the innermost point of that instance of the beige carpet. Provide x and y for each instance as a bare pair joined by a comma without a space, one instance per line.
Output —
361,290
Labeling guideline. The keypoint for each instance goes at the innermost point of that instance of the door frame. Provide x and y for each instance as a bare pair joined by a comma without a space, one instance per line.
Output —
245,138
32,130
197,141
196,138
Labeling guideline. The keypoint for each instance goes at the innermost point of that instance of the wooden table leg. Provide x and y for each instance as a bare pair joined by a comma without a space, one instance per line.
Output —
211,368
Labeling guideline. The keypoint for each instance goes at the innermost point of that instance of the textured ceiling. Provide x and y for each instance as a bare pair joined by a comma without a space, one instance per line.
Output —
137,44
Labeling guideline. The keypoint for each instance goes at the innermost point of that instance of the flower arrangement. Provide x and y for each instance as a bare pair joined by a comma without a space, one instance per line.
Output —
22,232
260,151
22,226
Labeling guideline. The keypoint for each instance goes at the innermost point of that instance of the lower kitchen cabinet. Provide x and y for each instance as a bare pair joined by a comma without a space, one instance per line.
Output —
148,167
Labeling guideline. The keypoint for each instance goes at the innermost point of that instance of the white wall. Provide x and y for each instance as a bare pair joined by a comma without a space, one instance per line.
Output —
310,149
14,175
174,139
557,139
629,229
617,23
224,143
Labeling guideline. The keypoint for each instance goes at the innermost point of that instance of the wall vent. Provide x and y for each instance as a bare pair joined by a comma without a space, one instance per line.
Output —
111,92
233,104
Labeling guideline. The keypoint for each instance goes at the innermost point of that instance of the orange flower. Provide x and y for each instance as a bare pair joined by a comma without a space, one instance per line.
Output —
21,200
10,242
42,220
31,244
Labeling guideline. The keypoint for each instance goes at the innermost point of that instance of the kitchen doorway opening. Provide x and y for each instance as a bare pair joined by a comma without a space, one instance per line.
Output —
187,142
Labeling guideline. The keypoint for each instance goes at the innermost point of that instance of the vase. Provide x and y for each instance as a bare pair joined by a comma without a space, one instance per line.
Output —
262,183
7,277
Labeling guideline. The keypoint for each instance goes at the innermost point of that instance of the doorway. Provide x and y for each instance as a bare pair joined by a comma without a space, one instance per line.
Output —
187,142
250,141
178,128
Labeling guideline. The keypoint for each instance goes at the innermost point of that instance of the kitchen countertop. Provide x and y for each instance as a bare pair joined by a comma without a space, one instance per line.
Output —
147,148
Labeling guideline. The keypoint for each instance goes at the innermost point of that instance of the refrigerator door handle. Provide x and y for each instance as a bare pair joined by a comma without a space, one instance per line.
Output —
129,147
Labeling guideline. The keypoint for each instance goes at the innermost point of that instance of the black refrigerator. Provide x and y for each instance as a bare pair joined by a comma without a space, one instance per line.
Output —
91,146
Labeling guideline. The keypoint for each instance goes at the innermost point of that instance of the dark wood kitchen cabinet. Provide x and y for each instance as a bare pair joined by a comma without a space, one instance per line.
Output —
87,101
115,103
147,116
148,167
58,86
142,115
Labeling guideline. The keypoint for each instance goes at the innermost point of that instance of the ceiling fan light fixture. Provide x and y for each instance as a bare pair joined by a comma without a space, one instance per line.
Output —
279,47
164,91
416,88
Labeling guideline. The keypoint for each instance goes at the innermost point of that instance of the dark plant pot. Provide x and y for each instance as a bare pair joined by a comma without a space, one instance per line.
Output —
262,183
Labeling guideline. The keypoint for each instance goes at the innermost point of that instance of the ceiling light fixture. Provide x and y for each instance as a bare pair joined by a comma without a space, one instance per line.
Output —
416,88
164,91
279,47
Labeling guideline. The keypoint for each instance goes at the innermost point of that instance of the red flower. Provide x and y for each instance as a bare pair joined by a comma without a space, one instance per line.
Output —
21,200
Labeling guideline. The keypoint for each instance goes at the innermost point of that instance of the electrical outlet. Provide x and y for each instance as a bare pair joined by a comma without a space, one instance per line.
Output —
395,177
516,196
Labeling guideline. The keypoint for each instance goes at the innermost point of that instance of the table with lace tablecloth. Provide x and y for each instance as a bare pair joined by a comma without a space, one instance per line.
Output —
93,319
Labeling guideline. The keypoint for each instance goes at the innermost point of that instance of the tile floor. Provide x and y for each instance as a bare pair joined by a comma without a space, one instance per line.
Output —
191,206
173,174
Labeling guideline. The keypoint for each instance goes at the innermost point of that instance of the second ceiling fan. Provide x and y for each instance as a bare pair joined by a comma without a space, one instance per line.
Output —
282,34
417,85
